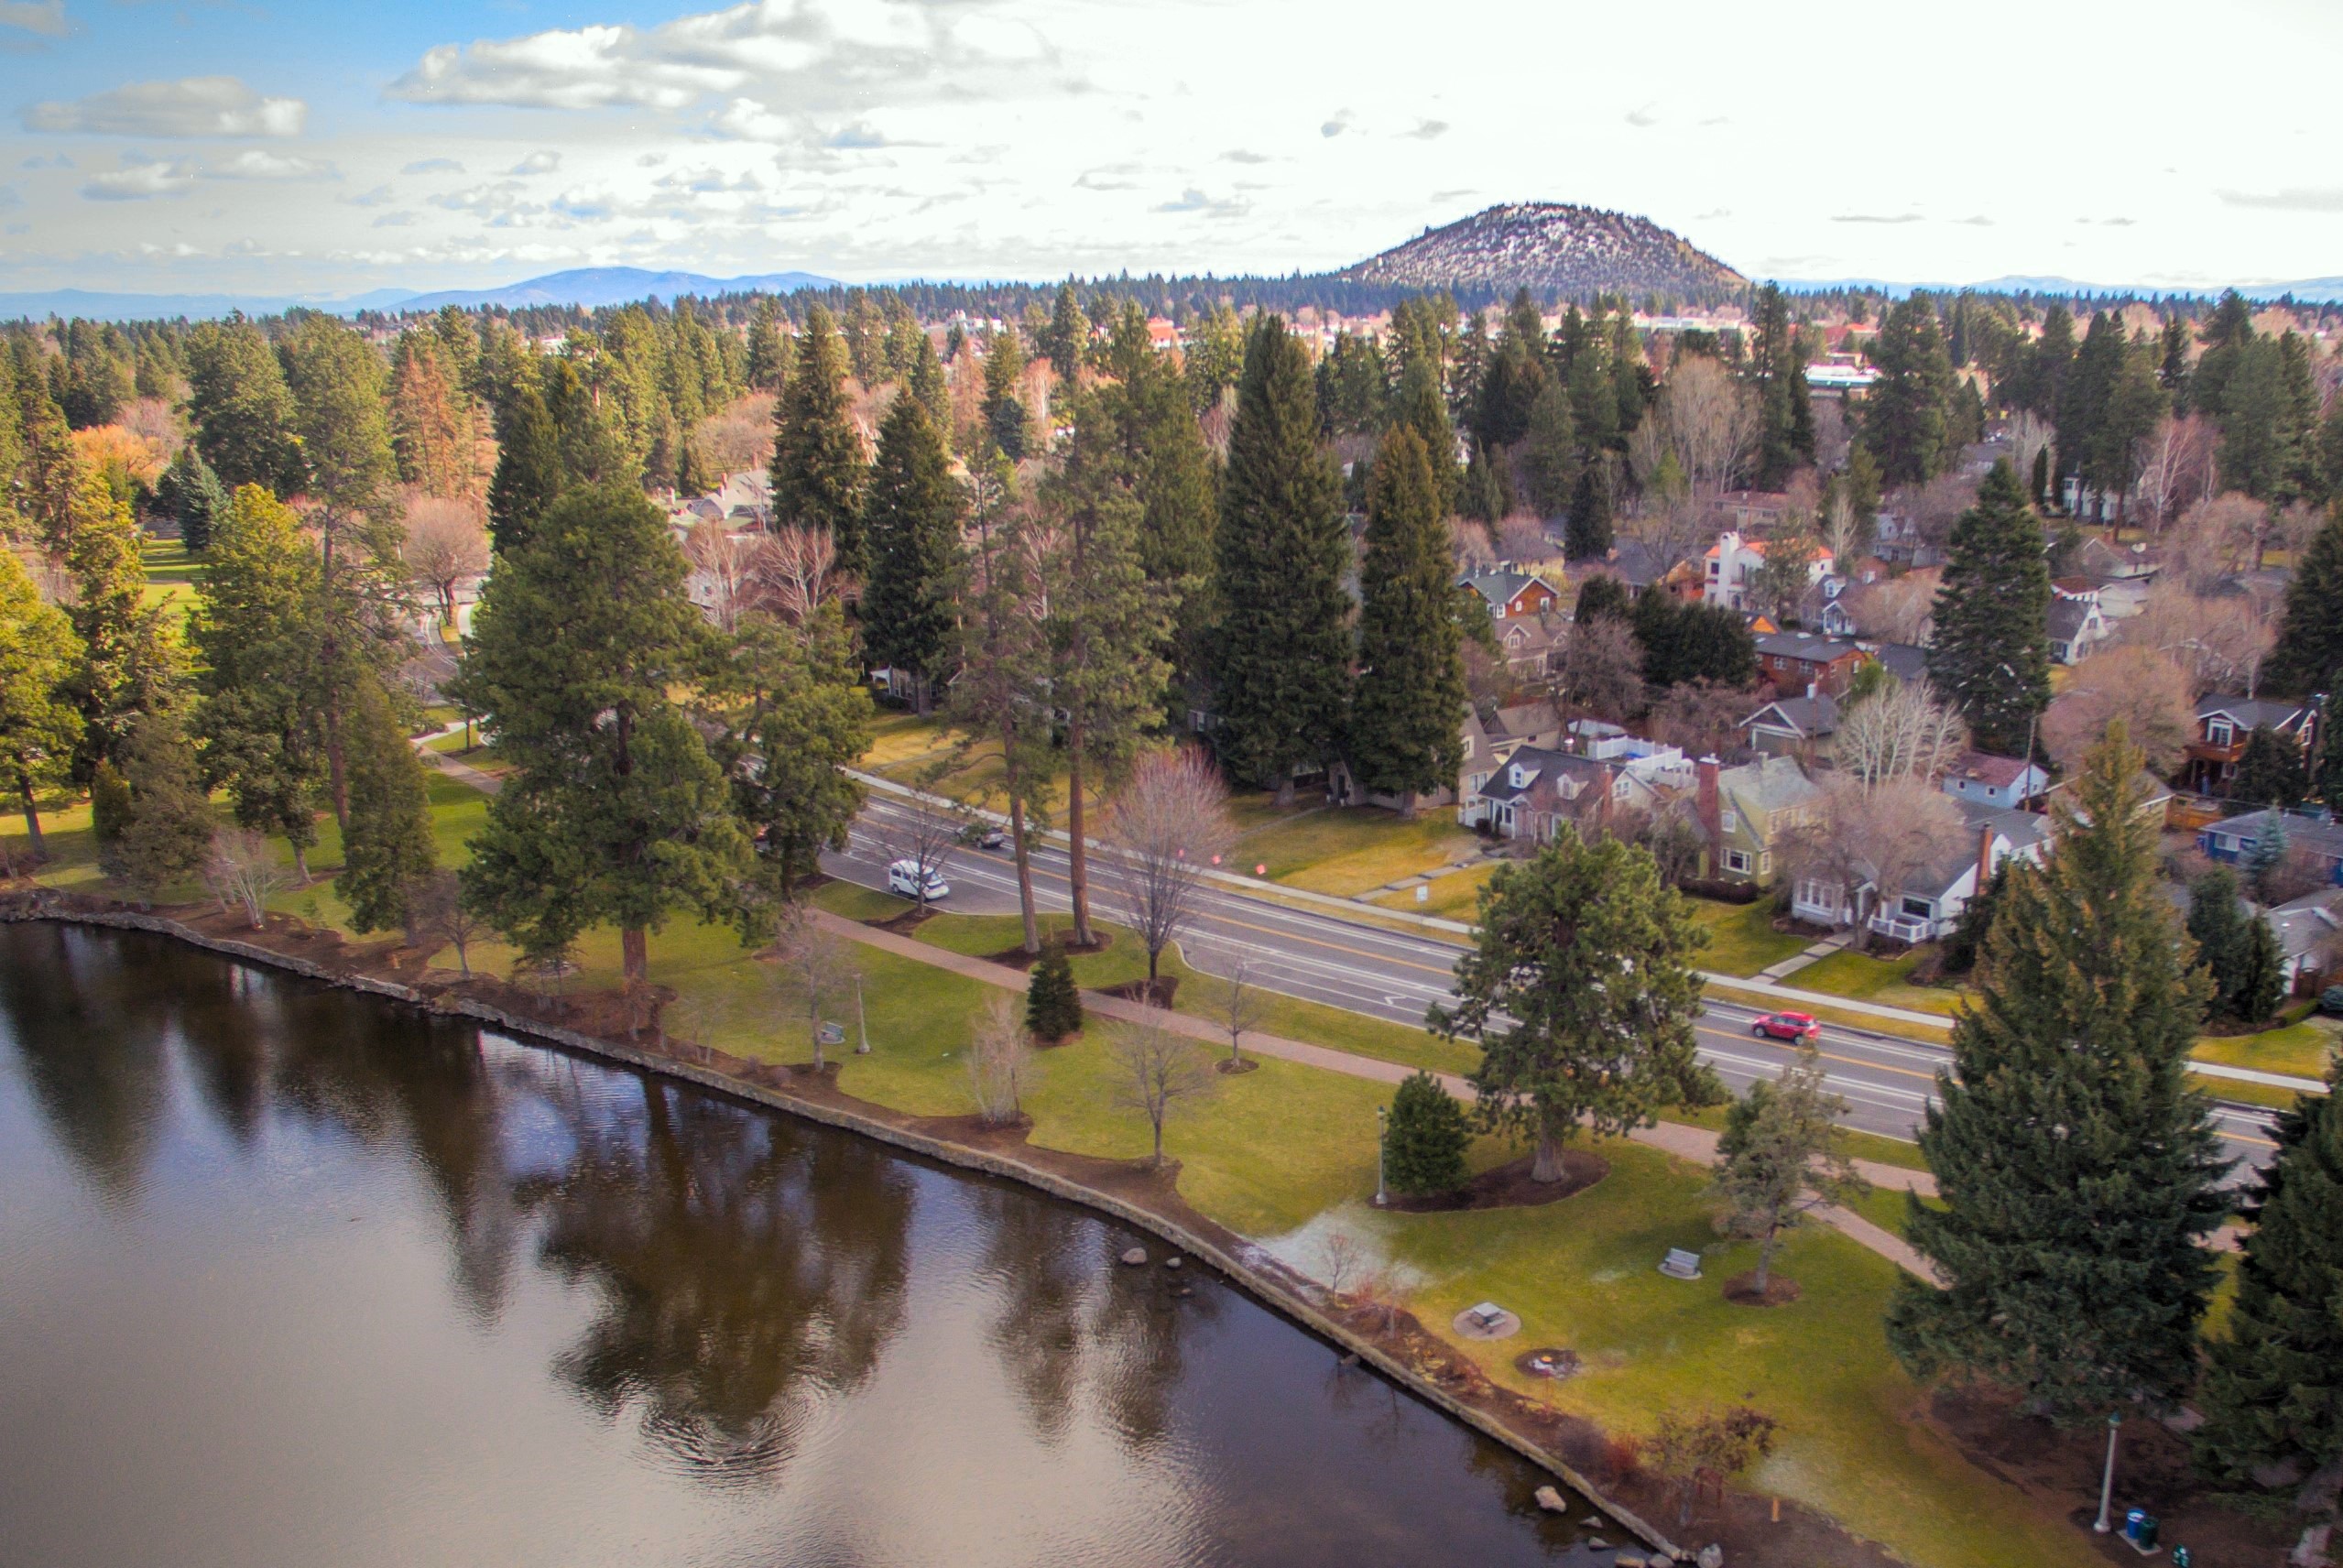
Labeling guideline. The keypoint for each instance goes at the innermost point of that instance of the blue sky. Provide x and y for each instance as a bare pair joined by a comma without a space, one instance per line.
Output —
325,149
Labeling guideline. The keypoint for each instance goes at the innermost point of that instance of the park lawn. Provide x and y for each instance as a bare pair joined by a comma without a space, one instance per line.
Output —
1886,981
2301,1050
1454,897
1344,849
1582,1273
979,936
1902,1153
458,811
171,573
907,749
1741,938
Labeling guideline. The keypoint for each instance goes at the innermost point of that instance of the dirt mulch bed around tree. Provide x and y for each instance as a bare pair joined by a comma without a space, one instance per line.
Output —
1158,992
1018,959
2059,1471
1509,1187
907,922
1742,1292
1548,1361
1231,1065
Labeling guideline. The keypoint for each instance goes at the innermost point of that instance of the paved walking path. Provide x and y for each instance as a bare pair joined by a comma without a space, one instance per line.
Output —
1697,1144
1778,972
461,772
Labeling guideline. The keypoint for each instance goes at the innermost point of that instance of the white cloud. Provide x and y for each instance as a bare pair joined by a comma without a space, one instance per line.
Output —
140,182
433,166
8,198
2294,199
1427,130
254,163
542,161
46,17
192,106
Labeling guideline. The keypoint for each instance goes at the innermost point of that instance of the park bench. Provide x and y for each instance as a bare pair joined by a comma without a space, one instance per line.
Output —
1680,1264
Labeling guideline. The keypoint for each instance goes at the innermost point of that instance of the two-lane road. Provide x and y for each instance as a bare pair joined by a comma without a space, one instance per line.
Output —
1319,956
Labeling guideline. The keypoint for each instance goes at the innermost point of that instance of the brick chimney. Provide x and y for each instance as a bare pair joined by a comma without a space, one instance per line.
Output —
1984,859
1710,808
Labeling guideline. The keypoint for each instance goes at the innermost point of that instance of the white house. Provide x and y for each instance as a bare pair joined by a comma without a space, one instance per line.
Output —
2078,625
1989,779
1735,557
1930,900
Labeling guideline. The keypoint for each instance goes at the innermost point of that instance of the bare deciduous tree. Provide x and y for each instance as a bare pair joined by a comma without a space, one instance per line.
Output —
1238,1005
1708,421
242,870
815,970
2221,643
1602,668
1842,532
2176,468
1470,543
1704,718
1155,1072
436,913
2147,689
445,545
1521,537
802,567
739,435
1900,732
923,829
1000,1054
1897,609
1881,836
2030,436
2214,538
729,566
1171,823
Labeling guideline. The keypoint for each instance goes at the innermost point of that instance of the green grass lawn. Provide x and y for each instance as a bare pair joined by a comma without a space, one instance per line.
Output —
1455,896
2301,1050
1344,849
1900,1152
1741,938
171,572
1886,981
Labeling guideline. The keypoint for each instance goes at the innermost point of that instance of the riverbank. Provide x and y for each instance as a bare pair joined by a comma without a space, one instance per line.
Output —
1396,1347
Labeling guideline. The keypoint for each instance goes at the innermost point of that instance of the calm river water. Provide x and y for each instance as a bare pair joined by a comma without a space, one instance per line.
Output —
292,1277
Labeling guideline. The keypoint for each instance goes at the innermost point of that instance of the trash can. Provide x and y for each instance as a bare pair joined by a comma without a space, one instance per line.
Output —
2140,1529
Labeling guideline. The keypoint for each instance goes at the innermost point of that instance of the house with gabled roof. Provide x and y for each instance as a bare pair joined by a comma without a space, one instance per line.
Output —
2225,722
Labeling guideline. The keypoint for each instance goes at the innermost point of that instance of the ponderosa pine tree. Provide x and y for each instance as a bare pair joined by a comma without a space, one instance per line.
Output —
39,726
2309,652
1589,534
1588,955
529,475
1171,470
769,350
1408,707
2079,1171
1006,420
242,408
1284,644
911,529
1991,651
2272,1395
614,811
129,666
817,469
388,851
1550,452
1785,413
1904,413
1069,334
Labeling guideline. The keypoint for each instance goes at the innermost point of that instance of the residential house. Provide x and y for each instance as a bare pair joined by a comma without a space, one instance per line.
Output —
1529,645
1632,562
1745,815
2224,723
1538,790
1734,559
2076,624
2310,934
1991,779
1929,901
1797,663
1752,510
2237,838
1795,726
1907,661
1511,595
1896,538
1489,741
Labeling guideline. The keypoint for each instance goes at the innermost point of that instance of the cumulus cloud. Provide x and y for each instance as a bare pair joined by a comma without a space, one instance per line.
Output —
192,106
380,196
1109,176
787,57
394,221
1643,117
543,161
1975,221
2294,199
256,164
433,166
46,17
141,181
1242,155
1427,130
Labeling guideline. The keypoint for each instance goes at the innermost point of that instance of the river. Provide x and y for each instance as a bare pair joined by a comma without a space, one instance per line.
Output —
292,1275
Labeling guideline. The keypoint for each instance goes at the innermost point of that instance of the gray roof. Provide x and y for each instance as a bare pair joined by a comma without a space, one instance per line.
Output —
1804,644
1500,587
1812,717
2067,618
1770,783
2025,830
1544,765
2252,712
2306,924
2319,832
1907,661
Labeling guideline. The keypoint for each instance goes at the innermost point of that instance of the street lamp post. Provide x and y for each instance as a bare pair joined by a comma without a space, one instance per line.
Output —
862,1023
2107,1482
1382,1136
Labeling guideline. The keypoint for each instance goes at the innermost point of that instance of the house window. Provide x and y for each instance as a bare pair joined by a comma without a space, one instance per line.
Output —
1738,860
2217,731
1765,863
1918,908
1729,819
1821,896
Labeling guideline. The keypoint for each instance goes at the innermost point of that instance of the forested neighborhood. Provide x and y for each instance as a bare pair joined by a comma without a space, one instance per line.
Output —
1965,666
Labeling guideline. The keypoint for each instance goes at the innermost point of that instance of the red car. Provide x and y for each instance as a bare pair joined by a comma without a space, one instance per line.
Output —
1787,1025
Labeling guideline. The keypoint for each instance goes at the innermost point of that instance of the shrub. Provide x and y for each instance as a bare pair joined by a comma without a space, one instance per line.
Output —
1052,1003
1423,1148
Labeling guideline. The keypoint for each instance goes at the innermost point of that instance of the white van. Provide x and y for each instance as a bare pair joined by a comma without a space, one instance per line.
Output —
903,877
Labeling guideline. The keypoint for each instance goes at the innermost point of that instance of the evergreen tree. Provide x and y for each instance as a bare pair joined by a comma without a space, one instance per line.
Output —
1587,955
911,524
2261,985
926,382
1549,457
1904,413
39,726
1588,535
1425,1139
613,810
191,492
1407,712
388,852
1785,412
2309,653
1283,643
769,350
2270,770
129,664
109,811
1781,1156
1069,334
2272,1395
817,471
2079,1171
2330,750
529,475
168,830
242,408
1966,942
1603,594
256,629
1006,421
1052,1003
1991,651
2216,923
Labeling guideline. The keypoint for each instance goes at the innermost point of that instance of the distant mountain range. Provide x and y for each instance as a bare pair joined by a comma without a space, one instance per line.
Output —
2309,289
1552,246
589,286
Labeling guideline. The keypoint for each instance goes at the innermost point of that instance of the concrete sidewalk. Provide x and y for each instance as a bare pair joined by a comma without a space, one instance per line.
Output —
1695,1144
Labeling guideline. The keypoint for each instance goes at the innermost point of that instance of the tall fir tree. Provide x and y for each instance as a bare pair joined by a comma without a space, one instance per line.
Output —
190,493
1549,451
1007,423
39,726
1408,709
770,350
1992,651
242,408
1587,536
614,811
817,471
911,524
168,830
2272,1395
529,475
2079,1171
1069,334
2309,652
2270,770
2217,924
1905,412
388,853
130,663
1282,647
